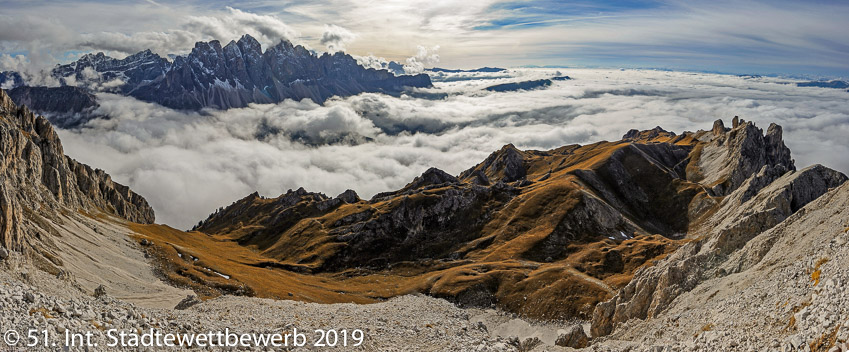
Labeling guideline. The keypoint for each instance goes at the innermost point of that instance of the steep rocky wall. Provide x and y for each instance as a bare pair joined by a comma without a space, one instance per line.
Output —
38,181
757,177
732,156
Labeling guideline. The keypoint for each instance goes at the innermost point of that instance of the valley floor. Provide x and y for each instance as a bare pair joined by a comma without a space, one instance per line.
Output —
401,324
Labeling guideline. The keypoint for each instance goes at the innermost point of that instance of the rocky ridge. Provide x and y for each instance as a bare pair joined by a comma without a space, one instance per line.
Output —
783,290
760,201
240,73
97,71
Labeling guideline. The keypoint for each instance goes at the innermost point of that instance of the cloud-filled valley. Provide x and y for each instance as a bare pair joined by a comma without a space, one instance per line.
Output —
189,164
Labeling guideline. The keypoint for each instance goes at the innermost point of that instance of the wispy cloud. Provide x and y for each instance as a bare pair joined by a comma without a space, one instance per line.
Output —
734,36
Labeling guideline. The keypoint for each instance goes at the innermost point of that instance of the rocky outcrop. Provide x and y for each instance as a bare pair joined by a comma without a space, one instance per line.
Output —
732,156
39,181
432,178
649,135
761,202
574,337
349,196
506,165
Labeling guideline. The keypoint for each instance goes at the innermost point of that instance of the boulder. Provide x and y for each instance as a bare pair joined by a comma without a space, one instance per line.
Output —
186,303
574,337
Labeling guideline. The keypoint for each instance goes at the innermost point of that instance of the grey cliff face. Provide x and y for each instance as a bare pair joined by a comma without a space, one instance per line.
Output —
761,188
39,181
734,155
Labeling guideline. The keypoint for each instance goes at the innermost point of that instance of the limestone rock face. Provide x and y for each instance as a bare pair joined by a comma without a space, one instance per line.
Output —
761,202
733,156
38,181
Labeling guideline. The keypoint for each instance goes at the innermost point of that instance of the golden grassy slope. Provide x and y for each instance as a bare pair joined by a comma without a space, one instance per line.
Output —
286,252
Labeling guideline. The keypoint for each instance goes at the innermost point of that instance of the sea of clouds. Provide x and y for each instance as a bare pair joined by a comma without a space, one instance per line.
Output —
187,164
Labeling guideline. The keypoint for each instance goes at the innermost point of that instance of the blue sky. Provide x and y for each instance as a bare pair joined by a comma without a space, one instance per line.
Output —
525,14
761,37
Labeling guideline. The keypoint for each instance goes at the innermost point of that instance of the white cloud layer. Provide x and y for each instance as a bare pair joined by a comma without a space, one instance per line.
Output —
188,164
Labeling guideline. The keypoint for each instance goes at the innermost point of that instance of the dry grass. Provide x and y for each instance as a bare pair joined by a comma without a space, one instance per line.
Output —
97,325
44,312
816,273
272,251
705,328
826,341
693,171
549,290
791,324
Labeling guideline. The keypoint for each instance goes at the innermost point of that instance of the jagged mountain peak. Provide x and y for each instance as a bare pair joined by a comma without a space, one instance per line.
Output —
6,103
506,164
431,177
648,135
241,73
248,40
233,76
733,155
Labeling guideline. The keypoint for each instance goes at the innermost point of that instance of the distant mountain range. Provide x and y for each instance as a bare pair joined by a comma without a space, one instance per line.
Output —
66,106
482,69
825,84
524,85
217,77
